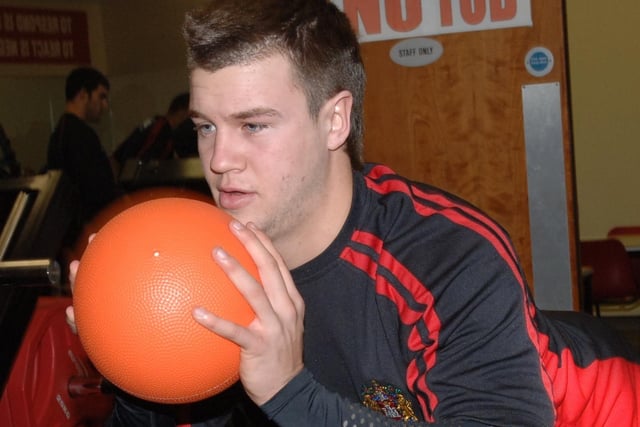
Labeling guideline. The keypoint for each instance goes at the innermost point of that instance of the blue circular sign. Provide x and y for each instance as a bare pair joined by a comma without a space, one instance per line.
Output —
539,61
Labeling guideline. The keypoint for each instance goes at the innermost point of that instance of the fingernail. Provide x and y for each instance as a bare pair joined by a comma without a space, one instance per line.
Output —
236,224
199,313
221,254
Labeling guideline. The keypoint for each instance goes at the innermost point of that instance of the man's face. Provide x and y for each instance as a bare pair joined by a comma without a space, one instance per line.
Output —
97,103
264,157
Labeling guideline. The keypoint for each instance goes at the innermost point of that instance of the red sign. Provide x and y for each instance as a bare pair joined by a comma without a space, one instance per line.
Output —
43,36
377,20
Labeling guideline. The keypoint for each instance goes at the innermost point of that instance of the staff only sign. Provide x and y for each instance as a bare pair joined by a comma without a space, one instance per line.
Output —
43,36
395,19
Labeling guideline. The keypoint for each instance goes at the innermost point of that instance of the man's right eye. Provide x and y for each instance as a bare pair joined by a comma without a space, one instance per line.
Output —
205,129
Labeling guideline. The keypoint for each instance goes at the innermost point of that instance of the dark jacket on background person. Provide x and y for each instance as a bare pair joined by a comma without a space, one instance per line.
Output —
74,147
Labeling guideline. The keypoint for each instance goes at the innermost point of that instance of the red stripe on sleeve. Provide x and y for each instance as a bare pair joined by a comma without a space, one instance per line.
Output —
451,210
484,227
407,315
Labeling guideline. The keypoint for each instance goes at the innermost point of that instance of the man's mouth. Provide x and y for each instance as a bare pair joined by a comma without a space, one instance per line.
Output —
233,199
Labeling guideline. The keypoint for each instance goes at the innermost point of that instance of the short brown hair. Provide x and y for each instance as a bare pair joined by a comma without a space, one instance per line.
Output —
313,34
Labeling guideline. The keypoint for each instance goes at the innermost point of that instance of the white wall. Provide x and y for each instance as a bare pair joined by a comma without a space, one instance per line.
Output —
604,60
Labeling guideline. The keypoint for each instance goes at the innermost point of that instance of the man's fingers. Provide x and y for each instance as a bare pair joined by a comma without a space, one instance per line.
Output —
270,298
246,284
273,272
71,319
222,327
292,290
272,343
73,271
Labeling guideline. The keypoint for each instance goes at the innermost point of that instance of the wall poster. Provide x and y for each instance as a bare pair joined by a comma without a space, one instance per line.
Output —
395,19
43,36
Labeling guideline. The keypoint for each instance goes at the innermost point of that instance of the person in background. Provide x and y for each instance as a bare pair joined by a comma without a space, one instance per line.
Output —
161,137
75,148
381,301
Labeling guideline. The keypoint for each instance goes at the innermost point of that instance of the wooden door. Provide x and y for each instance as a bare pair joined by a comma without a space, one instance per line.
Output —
458,122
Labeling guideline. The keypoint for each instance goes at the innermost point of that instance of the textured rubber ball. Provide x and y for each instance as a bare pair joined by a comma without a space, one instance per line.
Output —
136,286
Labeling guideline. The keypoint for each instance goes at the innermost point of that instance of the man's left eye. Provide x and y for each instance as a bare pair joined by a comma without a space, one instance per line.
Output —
254,127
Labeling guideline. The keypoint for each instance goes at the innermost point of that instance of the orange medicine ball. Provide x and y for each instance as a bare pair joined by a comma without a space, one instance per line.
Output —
136,286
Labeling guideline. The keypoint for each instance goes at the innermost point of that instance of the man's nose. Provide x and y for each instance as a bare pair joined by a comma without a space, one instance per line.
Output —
226,154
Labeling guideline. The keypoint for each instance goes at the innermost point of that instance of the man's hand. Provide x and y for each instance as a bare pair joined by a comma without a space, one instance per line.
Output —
271,345
73,271
71,320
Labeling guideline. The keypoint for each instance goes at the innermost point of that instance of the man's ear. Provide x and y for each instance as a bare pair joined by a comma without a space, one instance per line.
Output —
82,95
340,119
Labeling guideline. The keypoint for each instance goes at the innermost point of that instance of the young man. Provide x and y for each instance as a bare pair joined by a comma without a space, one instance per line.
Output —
74,147
380,296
